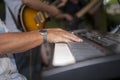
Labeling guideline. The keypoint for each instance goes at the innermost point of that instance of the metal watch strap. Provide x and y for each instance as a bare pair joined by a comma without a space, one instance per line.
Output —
43,32
46,46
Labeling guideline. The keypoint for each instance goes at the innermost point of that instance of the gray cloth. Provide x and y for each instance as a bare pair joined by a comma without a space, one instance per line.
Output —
8,70
14,6
25,65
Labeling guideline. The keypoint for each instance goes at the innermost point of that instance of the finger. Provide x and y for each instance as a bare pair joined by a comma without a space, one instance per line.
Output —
72,37
66,40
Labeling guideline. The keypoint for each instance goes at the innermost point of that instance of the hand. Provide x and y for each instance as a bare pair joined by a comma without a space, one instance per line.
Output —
66,16
73,25
60,35
62,3
53,11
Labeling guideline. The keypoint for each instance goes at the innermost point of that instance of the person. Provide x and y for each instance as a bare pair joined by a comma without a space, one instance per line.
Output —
14,7
77,9
62,3
16,42
71,6
25,65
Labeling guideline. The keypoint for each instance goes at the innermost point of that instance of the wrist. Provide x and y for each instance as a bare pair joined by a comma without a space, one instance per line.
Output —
43,33
55,12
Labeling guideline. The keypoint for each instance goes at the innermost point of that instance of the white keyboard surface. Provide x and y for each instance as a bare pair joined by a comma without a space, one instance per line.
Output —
62,55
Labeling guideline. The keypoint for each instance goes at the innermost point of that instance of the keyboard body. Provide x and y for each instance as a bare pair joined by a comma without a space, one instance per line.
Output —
98,59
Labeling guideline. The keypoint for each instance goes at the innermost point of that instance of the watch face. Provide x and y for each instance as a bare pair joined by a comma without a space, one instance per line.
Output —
43,32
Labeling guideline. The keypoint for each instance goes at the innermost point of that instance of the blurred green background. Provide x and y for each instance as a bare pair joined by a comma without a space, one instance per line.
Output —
102,20
2,10
112,9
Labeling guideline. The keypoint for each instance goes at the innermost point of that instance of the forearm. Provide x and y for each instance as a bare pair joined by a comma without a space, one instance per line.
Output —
39,5
86,8
19,42
96,7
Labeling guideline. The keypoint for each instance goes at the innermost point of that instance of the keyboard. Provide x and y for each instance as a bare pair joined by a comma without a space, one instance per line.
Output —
87,50
93,46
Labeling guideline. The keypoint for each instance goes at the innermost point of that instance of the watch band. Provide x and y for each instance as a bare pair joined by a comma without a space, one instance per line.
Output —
46,47
43,32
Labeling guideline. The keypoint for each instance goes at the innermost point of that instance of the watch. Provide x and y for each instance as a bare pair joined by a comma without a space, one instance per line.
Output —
47,56
43,32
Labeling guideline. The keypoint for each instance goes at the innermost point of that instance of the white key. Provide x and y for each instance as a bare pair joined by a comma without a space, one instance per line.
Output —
62,55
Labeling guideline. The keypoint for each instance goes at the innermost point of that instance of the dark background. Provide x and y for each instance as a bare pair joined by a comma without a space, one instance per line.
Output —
2,10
